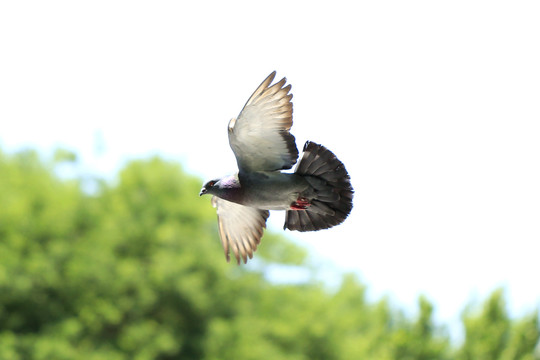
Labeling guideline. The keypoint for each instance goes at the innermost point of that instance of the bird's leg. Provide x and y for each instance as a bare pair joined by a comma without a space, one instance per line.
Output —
301,203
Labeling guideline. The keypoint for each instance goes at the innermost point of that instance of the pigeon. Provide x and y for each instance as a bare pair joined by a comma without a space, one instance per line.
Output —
317,195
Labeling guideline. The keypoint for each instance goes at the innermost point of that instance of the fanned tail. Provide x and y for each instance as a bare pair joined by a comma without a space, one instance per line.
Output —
331,182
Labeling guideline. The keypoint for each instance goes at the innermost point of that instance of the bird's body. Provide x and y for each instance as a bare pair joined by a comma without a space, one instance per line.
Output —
267,190
317,195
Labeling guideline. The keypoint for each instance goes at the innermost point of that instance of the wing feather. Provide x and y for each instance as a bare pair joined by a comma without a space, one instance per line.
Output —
260,137
240,228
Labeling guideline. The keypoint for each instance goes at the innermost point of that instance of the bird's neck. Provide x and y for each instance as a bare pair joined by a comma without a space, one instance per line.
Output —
234,194
232,189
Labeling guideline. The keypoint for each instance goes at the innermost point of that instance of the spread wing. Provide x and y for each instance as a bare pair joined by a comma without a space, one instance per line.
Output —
260,137
240,228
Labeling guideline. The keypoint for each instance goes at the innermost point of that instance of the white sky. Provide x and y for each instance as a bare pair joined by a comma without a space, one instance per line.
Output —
433,107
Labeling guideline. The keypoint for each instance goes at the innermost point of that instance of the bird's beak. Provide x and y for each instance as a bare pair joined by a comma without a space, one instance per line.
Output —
203,191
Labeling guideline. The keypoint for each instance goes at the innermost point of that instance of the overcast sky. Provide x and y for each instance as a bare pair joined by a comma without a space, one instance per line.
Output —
433,107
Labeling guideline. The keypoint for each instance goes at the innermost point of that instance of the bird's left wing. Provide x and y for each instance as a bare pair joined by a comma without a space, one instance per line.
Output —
260,137
240,228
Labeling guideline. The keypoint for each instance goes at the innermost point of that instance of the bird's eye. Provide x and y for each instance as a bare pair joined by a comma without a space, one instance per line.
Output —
211,183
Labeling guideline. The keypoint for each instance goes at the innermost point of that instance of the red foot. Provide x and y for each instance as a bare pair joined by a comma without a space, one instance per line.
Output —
300,204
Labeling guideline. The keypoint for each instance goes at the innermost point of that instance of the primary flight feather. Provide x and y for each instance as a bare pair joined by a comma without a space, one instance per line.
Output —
318,195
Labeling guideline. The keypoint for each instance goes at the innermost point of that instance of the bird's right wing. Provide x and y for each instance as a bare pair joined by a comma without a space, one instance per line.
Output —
240,228
260,137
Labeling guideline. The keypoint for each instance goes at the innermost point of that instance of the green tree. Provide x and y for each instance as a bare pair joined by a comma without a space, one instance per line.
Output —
135,270
490,333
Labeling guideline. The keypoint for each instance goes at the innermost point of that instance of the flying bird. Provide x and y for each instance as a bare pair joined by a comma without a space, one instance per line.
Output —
317,195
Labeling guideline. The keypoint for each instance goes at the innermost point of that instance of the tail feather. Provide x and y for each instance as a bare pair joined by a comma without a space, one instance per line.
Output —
331,182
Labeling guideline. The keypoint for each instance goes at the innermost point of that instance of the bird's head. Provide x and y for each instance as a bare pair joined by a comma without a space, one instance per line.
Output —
221,187
210,187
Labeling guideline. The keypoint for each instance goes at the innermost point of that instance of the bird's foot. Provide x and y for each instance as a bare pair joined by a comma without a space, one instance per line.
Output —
300,204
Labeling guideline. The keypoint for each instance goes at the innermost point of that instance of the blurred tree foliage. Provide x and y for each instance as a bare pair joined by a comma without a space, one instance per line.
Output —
135,270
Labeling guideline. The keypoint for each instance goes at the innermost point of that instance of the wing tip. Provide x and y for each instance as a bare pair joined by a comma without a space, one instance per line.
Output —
269,79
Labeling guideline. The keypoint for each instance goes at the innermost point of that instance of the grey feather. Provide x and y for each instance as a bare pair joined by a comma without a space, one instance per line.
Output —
333,201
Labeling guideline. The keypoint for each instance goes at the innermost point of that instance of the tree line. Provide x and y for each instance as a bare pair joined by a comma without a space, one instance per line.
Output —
134,270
